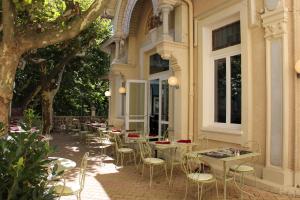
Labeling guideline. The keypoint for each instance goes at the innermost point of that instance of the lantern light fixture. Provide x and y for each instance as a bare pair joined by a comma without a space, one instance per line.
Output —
173,81
122,90
107,93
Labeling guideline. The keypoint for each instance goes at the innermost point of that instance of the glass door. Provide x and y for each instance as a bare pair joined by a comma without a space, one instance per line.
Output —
159,105
136,105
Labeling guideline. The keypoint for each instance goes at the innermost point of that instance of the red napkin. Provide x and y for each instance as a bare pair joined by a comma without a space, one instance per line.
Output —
184,141
163,142
133,135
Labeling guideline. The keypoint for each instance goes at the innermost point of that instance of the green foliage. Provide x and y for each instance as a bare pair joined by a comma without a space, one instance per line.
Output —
24,167
38,11
81,86
31,119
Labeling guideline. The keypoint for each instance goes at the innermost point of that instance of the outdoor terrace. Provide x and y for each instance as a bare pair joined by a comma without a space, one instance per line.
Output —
105,180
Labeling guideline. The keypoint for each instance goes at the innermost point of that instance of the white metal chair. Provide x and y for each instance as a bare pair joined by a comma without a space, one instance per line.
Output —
246,167
105,142
122,150
199,172
66,189
148,159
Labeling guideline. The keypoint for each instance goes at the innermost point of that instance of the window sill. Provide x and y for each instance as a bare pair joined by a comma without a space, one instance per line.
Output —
223,130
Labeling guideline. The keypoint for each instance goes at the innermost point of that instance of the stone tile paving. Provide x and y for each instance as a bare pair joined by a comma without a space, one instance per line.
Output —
105,181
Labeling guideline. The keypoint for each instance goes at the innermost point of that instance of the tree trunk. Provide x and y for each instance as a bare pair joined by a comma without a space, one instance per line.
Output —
47,111
9,61
47,103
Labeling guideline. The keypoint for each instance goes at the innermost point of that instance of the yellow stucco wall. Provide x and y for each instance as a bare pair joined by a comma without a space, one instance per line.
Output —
256,122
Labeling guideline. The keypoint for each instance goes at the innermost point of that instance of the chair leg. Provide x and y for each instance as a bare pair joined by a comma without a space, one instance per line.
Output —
134,157
117,159
151,175
171,174
166,172
200,192
217,190
143,167
242,184
186,188
122,159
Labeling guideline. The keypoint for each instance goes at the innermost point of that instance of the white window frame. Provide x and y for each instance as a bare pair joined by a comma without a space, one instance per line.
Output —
226,53
209,57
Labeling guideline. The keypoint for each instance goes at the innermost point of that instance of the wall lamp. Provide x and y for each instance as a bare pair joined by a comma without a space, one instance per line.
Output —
122,90
297,68
173,81
107,93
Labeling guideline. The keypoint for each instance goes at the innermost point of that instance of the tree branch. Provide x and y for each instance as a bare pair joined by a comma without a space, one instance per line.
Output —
8,22
33,40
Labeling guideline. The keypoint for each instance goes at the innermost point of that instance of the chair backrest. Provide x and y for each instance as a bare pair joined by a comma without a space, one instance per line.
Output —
195,165
118,142
83,166
145,149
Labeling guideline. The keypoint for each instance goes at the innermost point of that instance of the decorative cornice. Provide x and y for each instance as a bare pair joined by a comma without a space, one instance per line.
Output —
165,50
275,22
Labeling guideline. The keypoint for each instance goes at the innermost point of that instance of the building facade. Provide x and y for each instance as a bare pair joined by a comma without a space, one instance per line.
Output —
232,69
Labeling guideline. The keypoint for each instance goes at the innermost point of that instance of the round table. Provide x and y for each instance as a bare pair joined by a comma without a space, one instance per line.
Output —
63,163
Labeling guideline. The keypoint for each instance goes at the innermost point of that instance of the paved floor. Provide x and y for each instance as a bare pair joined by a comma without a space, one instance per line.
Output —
106,181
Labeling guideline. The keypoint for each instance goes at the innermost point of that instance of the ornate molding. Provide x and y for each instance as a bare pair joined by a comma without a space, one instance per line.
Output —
128,14
275,22
165,50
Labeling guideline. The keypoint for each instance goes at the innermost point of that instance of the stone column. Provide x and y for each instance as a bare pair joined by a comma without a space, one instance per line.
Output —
165,10
117,51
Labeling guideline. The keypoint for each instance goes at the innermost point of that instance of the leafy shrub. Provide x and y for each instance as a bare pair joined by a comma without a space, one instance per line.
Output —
31,119
24,167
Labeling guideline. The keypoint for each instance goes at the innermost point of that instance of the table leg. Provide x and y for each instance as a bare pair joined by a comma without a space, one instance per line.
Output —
224,181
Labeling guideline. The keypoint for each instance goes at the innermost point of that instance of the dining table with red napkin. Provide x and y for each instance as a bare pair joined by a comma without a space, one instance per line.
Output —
184,141
133,135
162,142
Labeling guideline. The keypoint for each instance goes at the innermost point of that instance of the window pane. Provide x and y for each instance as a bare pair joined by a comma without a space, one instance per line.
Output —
157,64
220,90
226,36
236,86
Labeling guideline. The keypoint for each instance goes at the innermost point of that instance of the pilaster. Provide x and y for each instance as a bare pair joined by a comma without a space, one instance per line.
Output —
275,24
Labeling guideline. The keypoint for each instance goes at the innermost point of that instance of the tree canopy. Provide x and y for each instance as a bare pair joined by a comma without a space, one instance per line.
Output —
82,85
27,25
